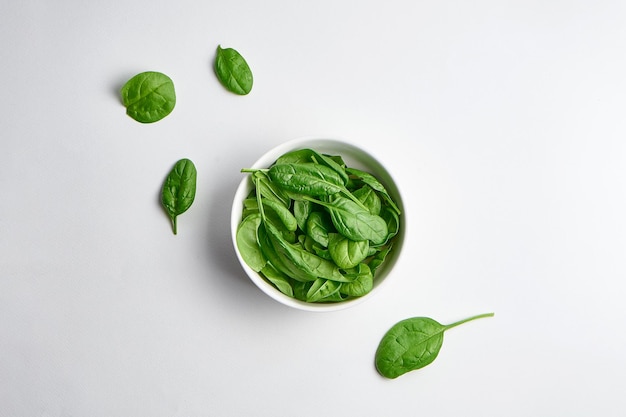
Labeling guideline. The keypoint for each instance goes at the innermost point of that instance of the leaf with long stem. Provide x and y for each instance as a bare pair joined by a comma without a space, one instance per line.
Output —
412,344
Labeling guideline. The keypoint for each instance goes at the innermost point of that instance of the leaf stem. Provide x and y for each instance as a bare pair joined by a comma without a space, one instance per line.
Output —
479,316
353,198
174,224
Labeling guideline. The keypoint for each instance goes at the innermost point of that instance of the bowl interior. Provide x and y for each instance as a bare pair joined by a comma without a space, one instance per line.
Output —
354,157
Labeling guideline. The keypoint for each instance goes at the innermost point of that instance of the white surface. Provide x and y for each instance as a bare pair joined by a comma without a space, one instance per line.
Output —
504,123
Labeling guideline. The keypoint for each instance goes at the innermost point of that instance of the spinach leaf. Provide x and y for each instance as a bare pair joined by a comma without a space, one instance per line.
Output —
306,155
280,280
149,96
248,242
306,178
295,157
300,290
328,161
393,222
302,211
276,255
362,283
347,253
321,289
373,182
369,198
233,71
412,344
286,217
379,258
317,227
179,190
268,189
354,221
306,261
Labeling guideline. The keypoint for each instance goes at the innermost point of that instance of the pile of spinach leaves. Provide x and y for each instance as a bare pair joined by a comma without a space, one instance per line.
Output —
315,228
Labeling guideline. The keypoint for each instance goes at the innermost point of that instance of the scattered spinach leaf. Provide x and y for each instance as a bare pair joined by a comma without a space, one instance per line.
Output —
233,71
149,96
179,190
412,344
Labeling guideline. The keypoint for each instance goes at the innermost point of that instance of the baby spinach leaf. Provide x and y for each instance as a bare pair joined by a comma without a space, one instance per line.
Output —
354,221
280,280
268,189
307,262
300,289
302,210
369,198
306,178
276,254
149,96
321,289
347,253
179,190
373,182
412,344
248,243
362,283
283,213
393,222
250,206
379,258
330,163
233,71
317,227
297,156
306,155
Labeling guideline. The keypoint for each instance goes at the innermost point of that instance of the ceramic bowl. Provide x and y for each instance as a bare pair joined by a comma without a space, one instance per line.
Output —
354,156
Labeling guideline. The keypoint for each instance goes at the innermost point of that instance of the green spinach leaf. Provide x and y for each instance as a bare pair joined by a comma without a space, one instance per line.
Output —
179,190
369,198
412,344
347,253
280,280
233,71
317,227
248,242
373,182
285,216
306,178
322,289
302,210
361,284
355,222
378,258
149,96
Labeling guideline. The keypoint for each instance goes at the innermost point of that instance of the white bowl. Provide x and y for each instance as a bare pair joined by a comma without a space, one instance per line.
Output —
354,157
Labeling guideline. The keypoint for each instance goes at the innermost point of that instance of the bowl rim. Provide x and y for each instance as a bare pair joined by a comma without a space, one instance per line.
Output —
368,161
